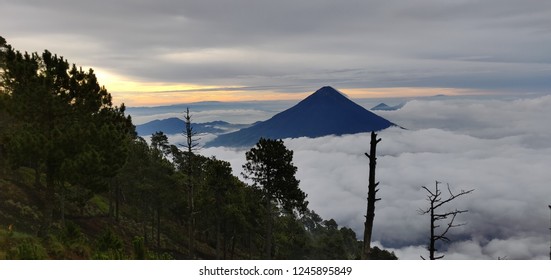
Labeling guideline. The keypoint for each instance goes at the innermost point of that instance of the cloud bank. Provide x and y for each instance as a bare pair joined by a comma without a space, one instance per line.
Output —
501,149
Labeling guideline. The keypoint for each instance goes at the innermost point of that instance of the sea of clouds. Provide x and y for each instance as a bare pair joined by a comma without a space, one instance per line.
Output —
500,148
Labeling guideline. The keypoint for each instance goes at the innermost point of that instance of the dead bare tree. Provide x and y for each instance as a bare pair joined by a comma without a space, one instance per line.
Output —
436,201
191,146
371,196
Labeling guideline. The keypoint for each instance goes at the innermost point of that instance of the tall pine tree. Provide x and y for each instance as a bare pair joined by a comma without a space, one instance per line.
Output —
270,167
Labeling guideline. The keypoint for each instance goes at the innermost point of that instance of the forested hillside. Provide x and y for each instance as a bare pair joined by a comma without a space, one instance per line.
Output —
76,182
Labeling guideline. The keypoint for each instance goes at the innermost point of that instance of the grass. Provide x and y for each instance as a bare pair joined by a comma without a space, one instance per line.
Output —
101,203
16,245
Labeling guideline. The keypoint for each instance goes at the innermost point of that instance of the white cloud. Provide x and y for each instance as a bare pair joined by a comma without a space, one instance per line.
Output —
499,148
524,118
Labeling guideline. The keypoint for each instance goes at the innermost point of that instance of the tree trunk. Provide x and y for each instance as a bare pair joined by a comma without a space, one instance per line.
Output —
219,240
62,204
191,225
190,146
250,241
432,247
232,246
111,200
371,196
436,201
158,228
117,201
269,230
37,176
218,226
50,199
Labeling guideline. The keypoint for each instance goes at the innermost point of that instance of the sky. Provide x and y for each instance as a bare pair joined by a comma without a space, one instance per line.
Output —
500,147
177,51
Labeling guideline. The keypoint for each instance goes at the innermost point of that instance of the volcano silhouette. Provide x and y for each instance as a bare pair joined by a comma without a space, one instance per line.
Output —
325,112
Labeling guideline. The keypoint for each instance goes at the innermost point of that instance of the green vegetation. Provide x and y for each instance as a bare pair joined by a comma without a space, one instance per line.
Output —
270,167
77,183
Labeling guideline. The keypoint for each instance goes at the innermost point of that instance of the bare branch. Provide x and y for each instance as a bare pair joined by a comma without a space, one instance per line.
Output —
431,194
436,201
422,212
452,197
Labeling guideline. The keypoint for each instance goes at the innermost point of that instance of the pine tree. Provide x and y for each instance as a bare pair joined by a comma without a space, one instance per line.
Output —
65,125
270,167
219,183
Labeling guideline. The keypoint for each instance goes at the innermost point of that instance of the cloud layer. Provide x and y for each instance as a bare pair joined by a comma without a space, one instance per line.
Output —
296,47
501,149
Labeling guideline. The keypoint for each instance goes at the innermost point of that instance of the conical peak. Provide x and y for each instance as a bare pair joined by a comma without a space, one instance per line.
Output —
325,112
327,90
326,93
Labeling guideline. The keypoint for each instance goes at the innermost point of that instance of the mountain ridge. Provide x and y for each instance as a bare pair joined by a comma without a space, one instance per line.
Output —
176,125
385,107
325,112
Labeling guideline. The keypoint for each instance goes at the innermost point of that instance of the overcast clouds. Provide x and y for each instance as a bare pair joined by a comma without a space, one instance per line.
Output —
296,46
502,149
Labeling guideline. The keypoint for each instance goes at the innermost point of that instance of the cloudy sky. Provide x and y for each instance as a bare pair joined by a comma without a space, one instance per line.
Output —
170,51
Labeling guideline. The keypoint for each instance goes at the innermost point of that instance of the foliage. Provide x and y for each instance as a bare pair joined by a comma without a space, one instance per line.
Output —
28,249
139,248
378,254
109,246
20,246
63,123
270,167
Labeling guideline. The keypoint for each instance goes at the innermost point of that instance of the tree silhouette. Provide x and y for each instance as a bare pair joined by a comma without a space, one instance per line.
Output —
219,181
371,196
270,167
191,146
436,201
65,125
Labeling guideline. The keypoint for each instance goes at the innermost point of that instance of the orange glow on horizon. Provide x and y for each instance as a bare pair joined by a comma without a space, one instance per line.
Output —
191,94
198,95
136,93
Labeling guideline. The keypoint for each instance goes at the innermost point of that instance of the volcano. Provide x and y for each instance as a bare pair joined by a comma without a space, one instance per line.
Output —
325,112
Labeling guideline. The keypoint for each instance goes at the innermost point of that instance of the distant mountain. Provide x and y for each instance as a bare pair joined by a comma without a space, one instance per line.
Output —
384,107
176,125
325,112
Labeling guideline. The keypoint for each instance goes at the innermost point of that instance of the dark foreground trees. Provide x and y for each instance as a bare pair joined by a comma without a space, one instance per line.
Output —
270,167
64,125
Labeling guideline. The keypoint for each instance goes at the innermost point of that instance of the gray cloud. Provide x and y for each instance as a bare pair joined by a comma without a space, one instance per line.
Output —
499,148
467,44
